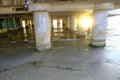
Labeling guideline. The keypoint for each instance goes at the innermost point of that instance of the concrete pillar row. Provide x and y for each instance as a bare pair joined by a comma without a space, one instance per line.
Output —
58,23
42,30
99,28
80,29
4,2
73,23
67,28
68,22
73,26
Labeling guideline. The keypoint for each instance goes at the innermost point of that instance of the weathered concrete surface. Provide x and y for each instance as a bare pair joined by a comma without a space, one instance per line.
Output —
98,37
67,60
71,6
12,55
42,30
73,27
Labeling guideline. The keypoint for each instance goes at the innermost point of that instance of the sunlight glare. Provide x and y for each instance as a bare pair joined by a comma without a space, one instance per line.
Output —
86,21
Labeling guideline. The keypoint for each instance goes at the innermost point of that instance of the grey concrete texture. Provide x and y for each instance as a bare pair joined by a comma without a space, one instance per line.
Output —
67,60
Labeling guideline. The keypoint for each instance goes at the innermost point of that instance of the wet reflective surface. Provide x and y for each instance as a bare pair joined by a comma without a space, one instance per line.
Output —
67,60
113,33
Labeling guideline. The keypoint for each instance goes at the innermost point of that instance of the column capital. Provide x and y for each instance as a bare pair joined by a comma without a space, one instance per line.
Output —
104,6
39,7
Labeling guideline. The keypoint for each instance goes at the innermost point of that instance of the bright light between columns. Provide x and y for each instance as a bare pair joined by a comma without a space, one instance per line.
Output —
55,23
61,23
86,21
23,23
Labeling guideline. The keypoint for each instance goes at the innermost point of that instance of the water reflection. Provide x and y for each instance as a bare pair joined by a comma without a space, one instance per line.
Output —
113,32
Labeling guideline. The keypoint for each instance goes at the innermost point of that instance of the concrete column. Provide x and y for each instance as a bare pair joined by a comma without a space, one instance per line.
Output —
98,37
4,2
73,27
67,29
52,28
80,29
42,30
30,1
58,24
68,22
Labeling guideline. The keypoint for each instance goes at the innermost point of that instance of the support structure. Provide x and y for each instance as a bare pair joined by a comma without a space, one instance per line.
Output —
98,37
73,26
67,30
42,30
100,16
42,22
80,29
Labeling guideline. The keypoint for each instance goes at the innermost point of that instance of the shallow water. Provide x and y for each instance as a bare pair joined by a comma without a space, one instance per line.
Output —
113,33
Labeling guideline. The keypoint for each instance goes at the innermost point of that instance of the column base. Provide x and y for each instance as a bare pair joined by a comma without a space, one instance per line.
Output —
80,36
98,44
43,47
73,35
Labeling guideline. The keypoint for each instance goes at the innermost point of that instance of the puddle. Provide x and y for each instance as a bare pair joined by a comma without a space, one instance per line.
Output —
113,33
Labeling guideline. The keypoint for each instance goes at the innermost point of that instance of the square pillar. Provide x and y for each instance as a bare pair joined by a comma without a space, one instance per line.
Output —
42,25
73,27
67,28
81,33
4,2
99,28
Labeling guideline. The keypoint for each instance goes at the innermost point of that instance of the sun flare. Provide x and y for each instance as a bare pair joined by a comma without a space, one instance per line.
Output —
86,21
